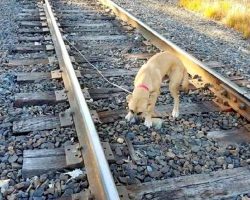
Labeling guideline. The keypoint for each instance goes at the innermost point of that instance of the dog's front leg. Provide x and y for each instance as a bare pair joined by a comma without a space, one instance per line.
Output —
148,120
174,90
150,110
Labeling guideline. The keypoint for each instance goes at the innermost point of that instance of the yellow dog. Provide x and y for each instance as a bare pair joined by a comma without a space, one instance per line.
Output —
147,85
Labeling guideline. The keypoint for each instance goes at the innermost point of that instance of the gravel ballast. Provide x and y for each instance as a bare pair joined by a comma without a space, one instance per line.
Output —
51,185
180,147
8,12
204,39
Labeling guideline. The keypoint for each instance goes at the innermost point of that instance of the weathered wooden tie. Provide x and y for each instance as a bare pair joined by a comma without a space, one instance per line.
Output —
85,25
25,62
33,38
39,98
36,76
32,48
79,17
36,124
231,136
109,73
224,184
36,162
64,119
40,161
99,38
33,24
33,31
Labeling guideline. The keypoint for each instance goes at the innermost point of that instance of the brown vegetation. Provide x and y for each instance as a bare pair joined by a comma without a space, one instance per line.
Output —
233,13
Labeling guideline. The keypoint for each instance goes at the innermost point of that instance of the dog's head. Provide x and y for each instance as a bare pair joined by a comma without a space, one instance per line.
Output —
137,104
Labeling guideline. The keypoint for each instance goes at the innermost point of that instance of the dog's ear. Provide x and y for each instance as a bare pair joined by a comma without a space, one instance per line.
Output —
129,97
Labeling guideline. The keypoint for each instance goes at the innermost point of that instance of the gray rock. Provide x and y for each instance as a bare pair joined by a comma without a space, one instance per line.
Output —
151,154
38,192
165,169
230,166
63,177
120,140
170,155
140,177
122,122
118,151
147,179
149,169
20,160
200,134
20,185
22,194
220,161
38,198
131,135
43,178
132,180
36,181
123,179
13,158
195,149
16,166
198,169
88,76
9,190
5,159
57,144
58,189
68,192
50,190
48,145
208,149
119,161
149,196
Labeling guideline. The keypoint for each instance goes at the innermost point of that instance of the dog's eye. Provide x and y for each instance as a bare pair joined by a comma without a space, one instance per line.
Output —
131,111
139,113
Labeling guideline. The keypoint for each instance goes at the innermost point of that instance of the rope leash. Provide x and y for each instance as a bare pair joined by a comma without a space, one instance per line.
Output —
80,53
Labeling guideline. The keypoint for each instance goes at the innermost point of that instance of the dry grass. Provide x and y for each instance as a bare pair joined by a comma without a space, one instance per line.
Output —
234,13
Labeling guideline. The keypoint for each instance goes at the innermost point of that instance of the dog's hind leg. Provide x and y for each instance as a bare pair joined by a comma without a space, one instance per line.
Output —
185,82
174,91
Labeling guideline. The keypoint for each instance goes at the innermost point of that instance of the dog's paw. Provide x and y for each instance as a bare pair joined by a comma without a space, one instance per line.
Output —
148,123
175,114
129,117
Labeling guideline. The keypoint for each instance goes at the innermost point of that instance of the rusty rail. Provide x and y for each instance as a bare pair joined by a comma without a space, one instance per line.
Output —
101,182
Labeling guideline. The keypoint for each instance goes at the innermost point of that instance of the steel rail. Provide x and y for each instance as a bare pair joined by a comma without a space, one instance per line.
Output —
231,94
100,179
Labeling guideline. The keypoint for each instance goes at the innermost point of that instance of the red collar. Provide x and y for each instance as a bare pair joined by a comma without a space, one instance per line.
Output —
145,87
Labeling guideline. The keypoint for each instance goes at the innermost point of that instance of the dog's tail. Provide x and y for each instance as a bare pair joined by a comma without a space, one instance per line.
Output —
185,82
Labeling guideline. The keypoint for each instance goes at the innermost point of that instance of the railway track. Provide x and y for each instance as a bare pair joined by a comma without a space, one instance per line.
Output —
65,117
